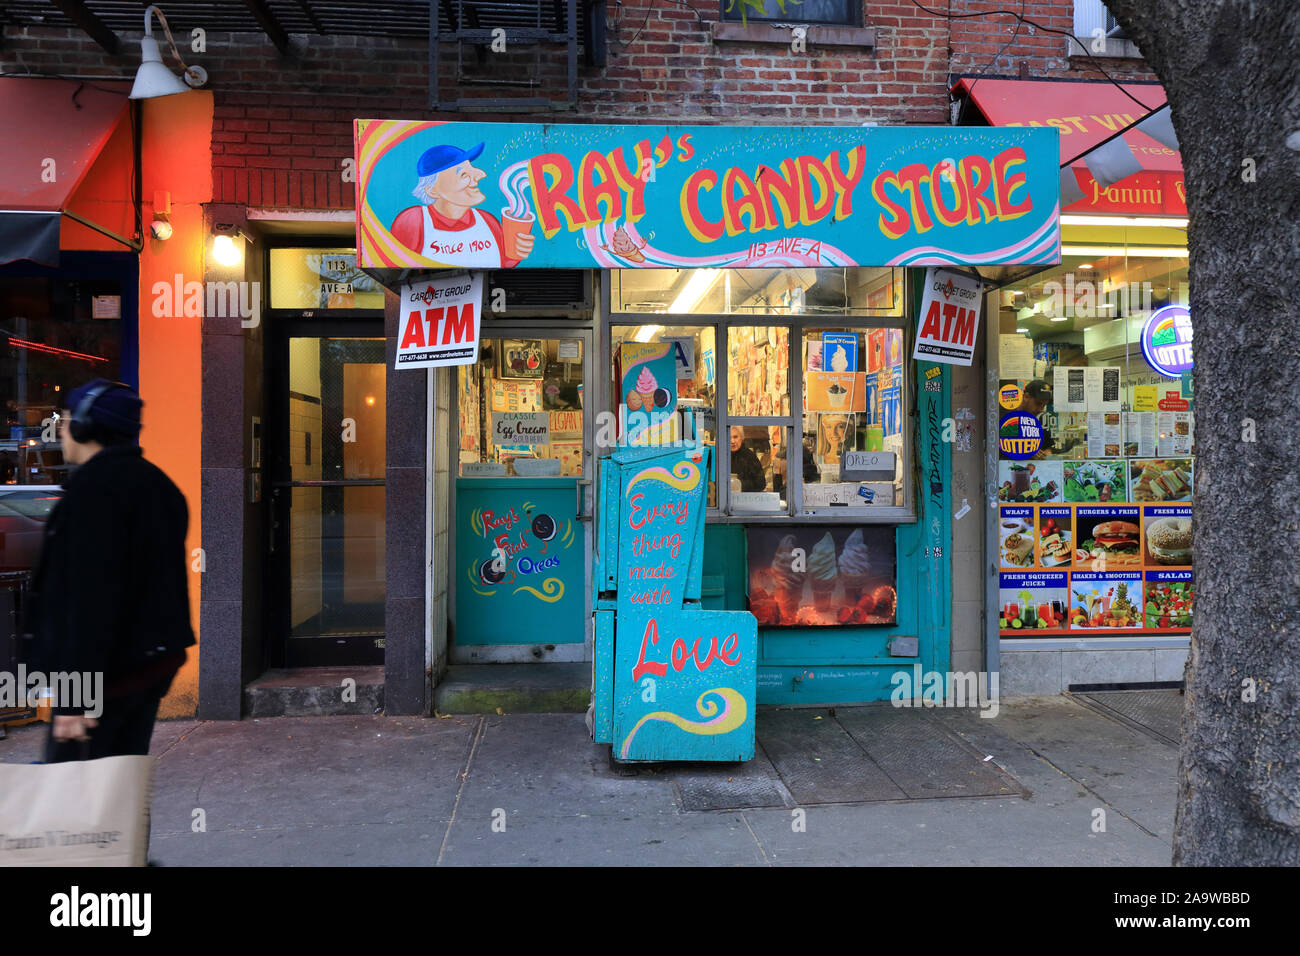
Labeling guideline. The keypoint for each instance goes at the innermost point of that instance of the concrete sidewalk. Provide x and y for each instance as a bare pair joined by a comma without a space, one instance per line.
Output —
427,791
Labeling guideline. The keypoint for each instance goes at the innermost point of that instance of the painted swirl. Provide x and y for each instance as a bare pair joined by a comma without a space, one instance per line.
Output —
733,715
553,587
683,477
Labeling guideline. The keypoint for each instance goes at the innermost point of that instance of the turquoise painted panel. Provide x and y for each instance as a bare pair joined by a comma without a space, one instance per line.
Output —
603,677
520,562
825,684
684,677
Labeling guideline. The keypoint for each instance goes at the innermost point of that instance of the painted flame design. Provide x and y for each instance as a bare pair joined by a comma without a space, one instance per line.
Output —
734,712
553,587
683,477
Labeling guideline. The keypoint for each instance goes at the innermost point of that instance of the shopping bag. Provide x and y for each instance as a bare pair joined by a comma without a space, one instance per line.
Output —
77,813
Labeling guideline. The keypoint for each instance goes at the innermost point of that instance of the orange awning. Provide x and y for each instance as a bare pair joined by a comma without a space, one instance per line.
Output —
1087,114
53,131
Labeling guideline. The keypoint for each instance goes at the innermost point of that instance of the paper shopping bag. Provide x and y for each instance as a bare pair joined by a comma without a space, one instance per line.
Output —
78,813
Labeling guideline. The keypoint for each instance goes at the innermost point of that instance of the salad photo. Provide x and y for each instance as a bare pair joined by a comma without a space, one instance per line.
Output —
1095,480
1169,604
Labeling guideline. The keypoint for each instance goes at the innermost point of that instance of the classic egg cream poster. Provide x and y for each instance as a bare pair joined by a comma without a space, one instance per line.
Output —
507,195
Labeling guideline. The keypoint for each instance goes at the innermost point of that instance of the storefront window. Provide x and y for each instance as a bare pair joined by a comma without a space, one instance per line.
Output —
321,279
799,393
520,409
57,335
796,291
1095,526
854,382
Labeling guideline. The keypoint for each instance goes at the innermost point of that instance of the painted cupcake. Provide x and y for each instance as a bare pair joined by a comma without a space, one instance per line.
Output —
822,571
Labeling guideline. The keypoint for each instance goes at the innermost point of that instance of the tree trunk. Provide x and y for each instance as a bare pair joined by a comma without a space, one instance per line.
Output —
1231,69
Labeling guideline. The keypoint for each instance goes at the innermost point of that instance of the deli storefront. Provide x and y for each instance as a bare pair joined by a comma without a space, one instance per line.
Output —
758,293
1092,539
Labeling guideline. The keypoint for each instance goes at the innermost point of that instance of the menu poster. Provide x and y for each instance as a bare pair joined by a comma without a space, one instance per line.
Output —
1031,481
1055,534
1015,536
1140,433
1175,433
822,576
1168,599
1104,434
1160,479
1096,480
1015,356
1109,537
1032,601
1106,599
516,396
1101,388
1167,535
1068,393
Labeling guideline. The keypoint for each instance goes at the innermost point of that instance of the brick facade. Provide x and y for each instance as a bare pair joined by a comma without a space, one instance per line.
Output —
282,124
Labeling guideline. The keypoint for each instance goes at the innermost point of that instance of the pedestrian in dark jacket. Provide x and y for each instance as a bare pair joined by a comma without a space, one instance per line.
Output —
111,592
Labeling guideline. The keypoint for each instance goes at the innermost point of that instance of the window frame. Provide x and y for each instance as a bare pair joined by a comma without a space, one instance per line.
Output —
798,325
854,9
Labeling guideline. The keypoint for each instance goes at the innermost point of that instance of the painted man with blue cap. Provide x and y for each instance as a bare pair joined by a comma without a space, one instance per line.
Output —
446,227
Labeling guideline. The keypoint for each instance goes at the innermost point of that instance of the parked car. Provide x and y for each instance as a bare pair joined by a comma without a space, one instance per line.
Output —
23,512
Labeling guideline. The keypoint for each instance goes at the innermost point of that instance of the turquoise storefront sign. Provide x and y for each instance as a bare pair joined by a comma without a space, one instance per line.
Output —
554,196
520,562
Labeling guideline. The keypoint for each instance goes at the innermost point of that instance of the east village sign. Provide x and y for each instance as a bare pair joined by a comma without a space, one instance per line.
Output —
502,195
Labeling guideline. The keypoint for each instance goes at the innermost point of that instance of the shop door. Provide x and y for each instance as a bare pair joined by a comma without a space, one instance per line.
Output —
327,466
522,458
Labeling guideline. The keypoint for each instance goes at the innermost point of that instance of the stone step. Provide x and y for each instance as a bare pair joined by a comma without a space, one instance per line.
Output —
514,689
315,692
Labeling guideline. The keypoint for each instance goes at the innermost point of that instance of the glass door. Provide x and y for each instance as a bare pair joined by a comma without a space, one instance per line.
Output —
327,500
522,460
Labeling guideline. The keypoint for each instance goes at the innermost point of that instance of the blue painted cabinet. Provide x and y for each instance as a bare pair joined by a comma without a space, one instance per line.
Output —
676,681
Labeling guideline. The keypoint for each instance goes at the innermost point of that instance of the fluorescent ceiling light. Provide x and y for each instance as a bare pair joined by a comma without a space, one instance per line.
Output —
1022,330
1131,252
647,332
1060,318
1169,222
696,288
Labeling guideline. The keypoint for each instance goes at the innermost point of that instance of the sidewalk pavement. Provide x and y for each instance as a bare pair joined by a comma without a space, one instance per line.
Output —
340,791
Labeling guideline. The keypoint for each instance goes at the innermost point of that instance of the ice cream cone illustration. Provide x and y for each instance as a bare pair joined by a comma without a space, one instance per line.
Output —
787,582
822,570
855,566
623,246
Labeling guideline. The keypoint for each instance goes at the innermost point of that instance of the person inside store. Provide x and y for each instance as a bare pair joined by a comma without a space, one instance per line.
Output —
810,473
744,463
1034,399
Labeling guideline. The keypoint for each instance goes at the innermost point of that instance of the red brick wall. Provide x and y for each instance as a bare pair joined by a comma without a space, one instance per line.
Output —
283,125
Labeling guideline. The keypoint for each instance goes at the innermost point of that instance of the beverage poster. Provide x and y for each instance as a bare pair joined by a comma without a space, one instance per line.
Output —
1030,601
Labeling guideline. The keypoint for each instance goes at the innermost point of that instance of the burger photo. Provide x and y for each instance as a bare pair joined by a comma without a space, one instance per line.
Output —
1112,543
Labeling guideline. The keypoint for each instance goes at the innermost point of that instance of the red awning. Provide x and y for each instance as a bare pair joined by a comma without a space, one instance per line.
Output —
53,131
1087,113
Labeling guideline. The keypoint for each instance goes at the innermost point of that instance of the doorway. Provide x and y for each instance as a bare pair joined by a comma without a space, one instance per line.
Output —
522,460
327,458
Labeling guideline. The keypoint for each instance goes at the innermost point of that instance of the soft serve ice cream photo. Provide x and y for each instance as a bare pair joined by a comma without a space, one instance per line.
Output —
832,576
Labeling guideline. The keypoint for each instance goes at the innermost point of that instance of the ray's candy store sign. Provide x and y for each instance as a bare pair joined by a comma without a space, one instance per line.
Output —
506,195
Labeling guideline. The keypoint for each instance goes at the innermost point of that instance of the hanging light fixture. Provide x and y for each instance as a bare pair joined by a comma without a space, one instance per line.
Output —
153,79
